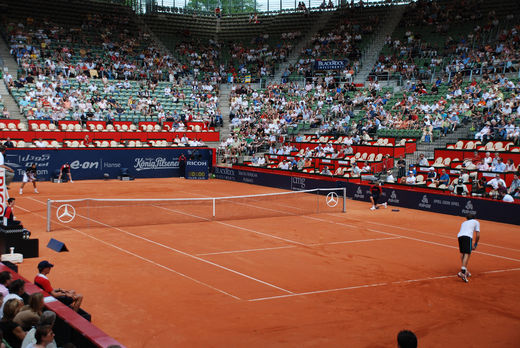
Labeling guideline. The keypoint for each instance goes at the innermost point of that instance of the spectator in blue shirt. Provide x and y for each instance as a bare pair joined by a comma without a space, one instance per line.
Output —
500,166
444,179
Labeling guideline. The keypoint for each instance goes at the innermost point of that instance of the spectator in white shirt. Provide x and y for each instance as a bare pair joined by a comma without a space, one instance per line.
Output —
495,182
410,179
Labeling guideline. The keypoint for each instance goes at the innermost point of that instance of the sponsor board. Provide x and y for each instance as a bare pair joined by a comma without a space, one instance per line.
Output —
94,163
297,183
469,209
155,163
197,170
359,193
330,64
393,198
440,203
3,192
425,202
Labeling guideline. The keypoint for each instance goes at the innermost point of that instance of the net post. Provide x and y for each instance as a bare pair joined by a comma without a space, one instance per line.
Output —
48,215
344,200
214,200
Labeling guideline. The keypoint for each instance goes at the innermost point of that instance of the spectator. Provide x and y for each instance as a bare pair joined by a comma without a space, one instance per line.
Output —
43,336
326,171
499,166
8,143
47,319
510,166
406,339
68,297
432,175
494,183
13,333
16,291
479,187
355,169
9,172
410,179
30,314
401,165
390,177
444,179
8,218
459,188
5,281
423,162
514,188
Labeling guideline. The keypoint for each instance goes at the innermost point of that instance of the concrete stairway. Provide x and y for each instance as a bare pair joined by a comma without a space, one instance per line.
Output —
371,54
292,59
224,107
10,65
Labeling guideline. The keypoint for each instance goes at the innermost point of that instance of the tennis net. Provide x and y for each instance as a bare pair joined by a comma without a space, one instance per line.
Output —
93,212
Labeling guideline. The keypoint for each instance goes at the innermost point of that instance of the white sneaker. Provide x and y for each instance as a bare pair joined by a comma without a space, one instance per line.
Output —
71,182
36,191
21,191
385,204
373,208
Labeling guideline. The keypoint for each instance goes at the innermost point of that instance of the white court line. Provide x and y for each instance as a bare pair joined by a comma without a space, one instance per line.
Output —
354,241
372,285
138,256
247,250
294,246
398,235
444,245
182,253
412,238
428,233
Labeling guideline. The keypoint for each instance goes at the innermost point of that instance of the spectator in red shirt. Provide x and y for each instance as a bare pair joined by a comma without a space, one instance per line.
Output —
9,214
68,297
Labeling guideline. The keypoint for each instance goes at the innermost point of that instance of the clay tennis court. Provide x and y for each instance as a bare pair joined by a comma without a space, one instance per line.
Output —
349,279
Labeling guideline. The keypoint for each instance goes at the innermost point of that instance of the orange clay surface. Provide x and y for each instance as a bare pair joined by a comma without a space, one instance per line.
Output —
324,280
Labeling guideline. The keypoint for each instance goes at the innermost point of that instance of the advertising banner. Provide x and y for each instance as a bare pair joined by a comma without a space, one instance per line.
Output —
486,209
330,64
197,170
94,163
3,192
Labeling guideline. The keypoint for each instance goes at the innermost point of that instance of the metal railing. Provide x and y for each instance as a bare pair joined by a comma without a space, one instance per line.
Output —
240,7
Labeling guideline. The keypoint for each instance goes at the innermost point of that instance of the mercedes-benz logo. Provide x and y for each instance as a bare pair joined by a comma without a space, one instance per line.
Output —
332,199
66,213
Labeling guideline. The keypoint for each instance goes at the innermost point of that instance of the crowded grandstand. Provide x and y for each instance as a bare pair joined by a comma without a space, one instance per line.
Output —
420,96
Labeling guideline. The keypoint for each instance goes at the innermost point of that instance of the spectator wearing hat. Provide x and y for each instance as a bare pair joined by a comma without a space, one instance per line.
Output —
68,297
432,175
410,179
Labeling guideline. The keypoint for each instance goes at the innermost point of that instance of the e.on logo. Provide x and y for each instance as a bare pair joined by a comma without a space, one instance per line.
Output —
84,165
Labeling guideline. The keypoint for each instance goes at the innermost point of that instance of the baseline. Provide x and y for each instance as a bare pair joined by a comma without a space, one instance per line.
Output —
373,285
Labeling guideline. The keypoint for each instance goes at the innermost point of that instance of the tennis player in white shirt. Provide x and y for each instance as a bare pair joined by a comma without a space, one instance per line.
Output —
465,236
